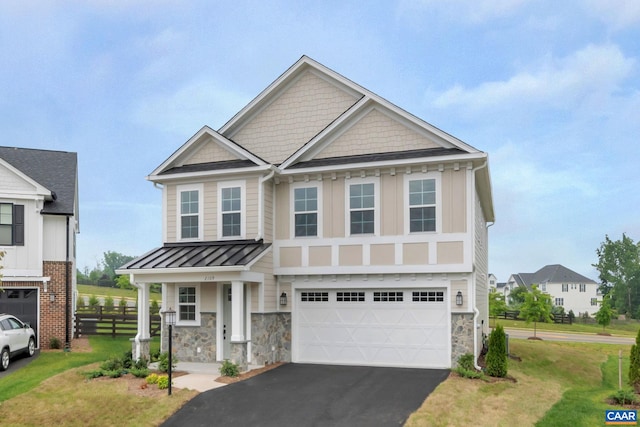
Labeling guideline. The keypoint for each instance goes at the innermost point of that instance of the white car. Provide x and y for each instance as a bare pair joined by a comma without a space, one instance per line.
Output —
15,338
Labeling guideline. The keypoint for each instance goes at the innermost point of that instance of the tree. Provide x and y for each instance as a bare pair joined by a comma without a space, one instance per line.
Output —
604,315
634,365
497,306
517,296
112,261
536,308
497,353
619,271
123,282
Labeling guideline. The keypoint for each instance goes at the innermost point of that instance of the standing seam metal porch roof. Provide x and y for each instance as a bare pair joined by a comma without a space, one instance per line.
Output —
199,254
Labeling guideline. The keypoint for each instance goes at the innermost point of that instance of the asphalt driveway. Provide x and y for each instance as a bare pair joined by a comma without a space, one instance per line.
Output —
314,395
18,362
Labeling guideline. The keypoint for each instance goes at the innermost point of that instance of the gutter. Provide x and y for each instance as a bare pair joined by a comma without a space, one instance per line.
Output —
473,297
67,302
261,182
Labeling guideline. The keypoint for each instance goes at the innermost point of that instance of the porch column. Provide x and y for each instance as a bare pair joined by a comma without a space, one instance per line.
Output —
237,311
141,341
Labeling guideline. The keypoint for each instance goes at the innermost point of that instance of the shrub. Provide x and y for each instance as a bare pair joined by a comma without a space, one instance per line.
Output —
497,354
122,303
634,365
139,372
108,303
466,362
80,303
154,308
116,373
229,369
163,362
94,302
163,382
93,374
112,364
624,397
152,379
55,343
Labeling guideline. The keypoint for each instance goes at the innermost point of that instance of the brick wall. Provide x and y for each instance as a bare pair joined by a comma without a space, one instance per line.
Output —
52,313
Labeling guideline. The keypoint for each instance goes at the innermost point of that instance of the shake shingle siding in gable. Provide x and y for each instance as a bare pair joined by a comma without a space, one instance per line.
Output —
305,108
376,133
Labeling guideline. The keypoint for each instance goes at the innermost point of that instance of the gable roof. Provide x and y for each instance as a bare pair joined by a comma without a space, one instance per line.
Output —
56,171
554,273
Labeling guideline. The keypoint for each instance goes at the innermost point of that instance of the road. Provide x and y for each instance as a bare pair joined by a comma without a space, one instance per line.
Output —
563,336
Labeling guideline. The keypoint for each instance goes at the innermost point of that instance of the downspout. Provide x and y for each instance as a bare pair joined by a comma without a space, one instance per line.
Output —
67,316
261,182
473,296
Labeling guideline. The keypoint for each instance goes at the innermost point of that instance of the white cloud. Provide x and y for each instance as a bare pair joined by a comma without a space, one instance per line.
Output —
190,107
561,83
472,11
619,14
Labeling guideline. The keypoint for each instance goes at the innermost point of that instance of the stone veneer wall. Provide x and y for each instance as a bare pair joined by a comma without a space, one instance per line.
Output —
270,338
461,336
187,340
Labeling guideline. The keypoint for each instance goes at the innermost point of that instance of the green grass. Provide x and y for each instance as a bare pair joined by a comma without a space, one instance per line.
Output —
88,290
621,328
50,363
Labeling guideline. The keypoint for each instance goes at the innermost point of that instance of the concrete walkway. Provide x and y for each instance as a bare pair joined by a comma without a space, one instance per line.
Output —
199,376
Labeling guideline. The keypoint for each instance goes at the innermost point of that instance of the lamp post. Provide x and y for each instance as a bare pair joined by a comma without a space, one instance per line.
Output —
170,320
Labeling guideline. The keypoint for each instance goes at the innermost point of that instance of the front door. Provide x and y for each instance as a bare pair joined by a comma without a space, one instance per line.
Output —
226,321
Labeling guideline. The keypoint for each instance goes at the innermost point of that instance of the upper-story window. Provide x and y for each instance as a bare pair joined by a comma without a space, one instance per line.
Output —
305,207
190,212
565,287
583,287
362,207
422,205
231,215
11,224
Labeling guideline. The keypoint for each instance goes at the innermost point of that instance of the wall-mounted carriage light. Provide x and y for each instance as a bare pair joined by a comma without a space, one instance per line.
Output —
459,298
283,298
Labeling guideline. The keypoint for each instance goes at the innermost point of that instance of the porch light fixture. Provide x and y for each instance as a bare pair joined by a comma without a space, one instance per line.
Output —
170,320
459,298
283,298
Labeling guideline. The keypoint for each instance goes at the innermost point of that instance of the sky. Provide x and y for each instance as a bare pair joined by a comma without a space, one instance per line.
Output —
550,90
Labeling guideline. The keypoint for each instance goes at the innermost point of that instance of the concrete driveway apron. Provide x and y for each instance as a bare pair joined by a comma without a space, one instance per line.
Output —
314,395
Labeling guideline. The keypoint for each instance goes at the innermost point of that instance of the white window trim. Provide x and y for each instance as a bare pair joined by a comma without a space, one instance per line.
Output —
177,304
243,208
190,187
292,209
405,197
376,204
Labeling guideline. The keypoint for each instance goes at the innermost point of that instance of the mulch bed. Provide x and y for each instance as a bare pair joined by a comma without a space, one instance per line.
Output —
246,375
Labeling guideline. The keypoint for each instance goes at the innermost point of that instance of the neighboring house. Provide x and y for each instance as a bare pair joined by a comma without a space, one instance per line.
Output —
321,224
493,283
38,226
567,289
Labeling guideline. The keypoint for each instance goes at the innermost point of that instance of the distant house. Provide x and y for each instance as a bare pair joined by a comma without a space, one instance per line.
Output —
38,226
321,224
567,289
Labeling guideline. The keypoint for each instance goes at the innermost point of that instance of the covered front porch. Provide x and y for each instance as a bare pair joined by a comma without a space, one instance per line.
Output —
211,287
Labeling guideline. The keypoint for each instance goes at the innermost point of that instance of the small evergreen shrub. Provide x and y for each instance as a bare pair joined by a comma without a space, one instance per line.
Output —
112,364
624,397
163,362
93,374
116,373
108,303
80,303
229,369
55,343
163,382
634,364
497,354
94,302
139,372
122,303
466,362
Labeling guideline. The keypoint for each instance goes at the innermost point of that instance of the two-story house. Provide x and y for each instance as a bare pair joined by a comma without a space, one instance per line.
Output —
321,224
568,289
38,226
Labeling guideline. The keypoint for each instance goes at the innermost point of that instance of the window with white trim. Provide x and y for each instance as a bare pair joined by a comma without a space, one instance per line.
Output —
11,224
583,287
305,207
559,301
231,210
362,208
594,301
422,205
187,303
565,287
189,212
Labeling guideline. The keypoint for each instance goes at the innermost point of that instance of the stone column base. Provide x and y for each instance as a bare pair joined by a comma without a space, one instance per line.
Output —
239,355
145,349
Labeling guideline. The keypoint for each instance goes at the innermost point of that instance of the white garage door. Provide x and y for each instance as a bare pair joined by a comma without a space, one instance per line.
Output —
400,327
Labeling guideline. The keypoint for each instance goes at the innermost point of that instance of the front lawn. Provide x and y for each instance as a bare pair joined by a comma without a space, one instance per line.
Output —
558,384
617,327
